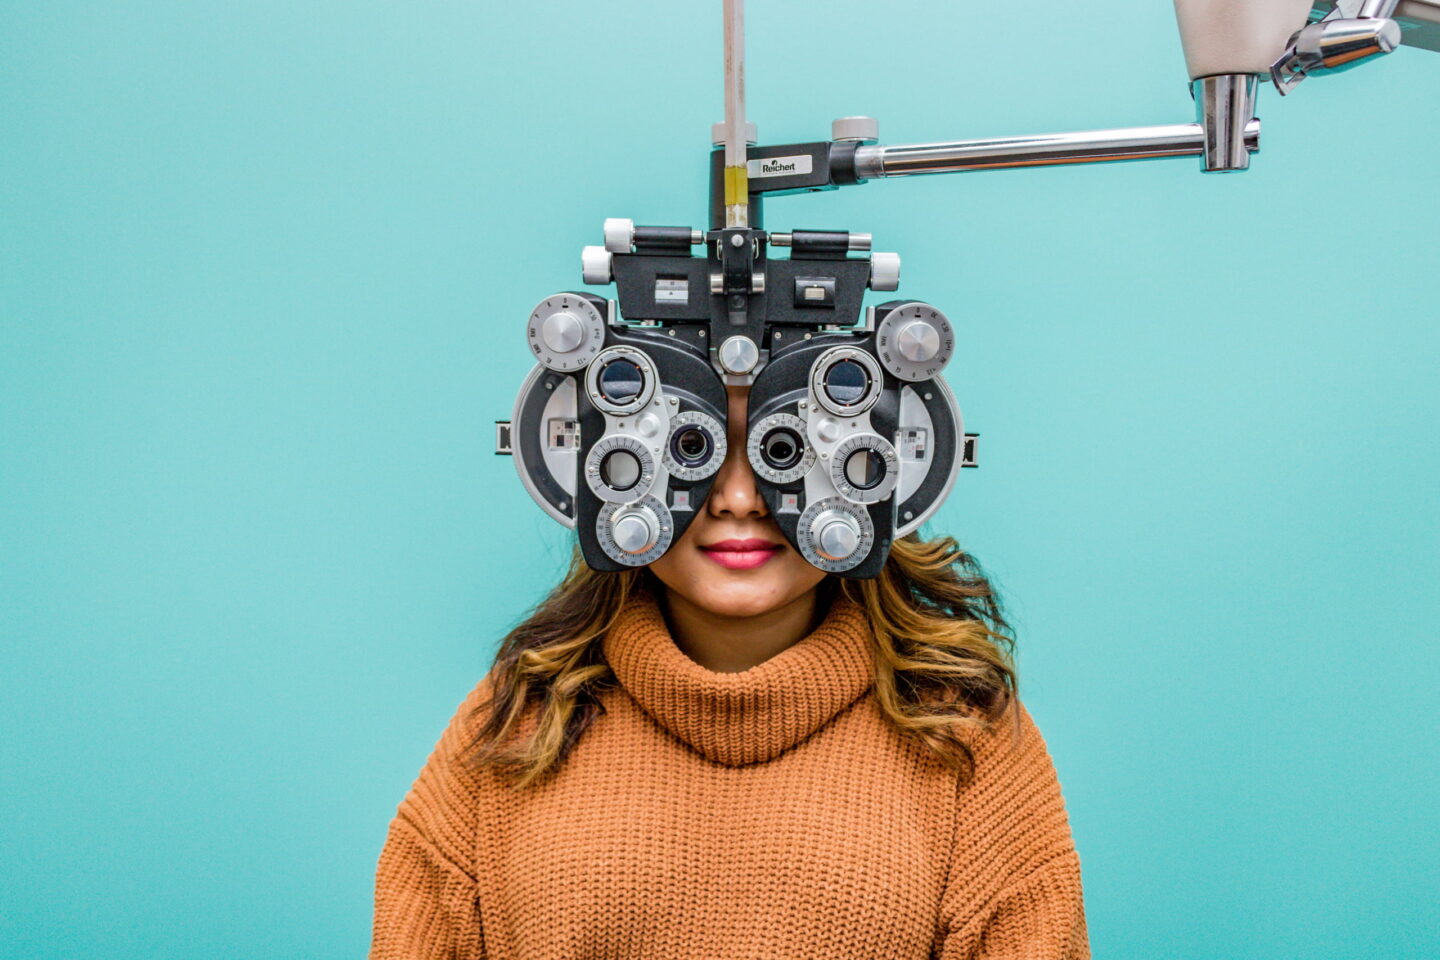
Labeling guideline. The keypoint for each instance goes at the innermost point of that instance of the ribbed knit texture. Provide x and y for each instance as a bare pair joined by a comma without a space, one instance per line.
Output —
772,814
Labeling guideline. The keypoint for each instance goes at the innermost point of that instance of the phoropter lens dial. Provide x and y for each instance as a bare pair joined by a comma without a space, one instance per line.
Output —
635,533
619,468
777,448
846,381
835,535
565,332
915,341
696,446
620,380
865,468
782,448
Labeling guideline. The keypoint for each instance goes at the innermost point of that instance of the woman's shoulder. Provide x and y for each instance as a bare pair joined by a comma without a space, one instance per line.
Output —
1013,799
470,715
1009,750
452,758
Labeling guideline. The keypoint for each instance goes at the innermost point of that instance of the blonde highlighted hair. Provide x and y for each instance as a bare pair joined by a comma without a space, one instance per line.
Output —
943,657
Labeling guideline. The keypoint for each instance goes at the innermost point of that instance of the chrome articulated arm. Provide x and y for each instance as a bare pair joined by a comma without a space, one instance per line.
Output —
1352,33
1091,146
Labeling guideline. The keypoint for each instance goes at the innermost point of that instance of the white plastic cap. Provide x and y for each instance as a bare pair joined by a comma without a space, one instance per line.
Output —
717,133
884,271
595,265
619,234
860,129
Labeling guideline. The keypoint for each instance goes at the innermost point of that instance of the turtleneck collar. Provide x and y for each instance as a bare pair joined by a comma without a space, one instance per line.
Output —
750,716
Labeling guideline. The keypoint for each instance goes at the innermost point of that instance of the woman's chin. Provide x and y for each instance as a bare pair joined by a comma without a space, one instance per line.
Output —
740,594
743,601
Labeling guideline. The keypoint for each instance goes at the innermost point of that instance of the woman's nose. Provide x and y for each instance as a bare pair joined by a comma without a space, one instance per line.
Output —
735,492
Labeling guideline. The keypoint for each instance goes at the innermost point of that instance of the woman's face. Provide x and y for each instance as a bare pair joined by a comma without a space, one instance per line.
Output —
733,560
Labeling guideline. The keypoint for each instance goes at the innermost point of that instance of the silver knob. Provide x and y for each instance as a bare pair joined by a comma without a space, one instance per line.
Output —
884,271
859,129
595,265
562,332
739,355
619,234
634,530
917,341
836,535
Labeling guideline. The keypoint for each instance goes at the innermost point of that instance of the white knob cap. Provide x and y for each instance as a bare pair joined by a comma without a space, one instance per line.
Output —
619,234
562,332
836,535
717,133
828,429
739,355
884,271
917,341
595,265
861,129
633,531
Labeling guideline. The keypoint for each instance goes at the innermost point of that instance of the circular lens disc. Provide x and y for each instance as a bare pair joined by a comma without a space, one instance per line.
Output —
621,380
619,468
764,432
846,381
865,468
685,427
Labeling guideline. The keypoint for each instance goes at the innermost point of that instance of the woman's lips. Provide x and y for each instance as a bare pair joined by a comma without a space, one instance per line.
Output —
741,554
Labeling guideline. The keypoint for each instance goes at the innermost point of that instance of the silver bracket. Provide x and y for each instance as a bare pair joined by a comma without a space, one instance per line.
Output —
1352,33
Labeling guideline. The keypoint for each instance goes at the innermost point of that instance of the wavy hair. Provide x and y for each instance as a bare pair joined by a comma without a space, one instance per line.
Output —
943,650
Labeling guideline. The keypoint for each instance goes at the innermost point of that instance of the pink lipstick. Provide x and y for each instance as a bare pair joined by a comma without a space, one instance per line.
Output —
741,554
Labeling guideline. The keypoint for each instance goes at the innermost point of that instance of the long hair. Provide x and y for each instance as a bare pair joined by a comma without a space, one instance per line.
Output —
943,657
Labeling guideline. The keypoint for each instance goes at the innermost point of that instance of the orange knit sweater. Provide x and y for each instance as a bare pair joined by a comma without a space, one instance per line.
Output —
772,814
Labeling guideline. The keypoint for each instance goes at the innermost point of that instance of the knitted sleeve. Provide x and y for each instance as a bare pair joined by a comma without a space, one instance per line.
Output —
1014,887
425,893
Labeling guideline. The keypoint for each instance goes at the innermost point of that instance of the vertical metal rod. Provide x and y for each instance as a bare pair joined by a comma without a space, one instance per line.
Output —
737,187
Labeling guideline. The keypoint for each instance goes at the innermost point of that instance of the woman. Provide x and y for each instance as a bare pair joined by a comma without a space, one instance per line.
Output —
733,754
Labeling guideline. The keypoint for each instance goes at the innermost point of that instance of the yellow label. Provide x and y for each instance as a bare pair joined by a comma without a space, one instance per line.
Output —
737,186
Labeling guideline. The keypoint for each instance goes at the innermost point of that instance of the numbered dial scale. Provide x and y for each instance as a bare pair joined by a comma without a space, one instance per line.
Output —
914,341
565,332
834,534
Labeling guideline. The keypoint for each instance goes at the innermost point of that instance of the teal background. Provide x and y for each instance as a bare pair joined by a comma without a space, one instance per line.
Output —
263,273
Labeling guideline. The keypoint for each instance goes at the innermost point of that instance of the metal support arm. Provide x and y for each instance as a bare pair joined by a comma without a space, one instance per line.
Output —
1091,146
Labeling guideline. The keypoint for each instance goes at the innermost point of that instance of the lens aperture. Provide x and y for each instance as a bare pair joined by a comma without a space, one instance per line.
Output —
620,381
781,448
691,446
865,469
620,469
846,382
